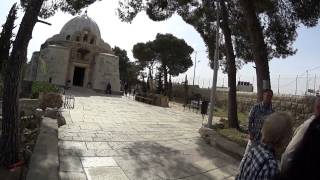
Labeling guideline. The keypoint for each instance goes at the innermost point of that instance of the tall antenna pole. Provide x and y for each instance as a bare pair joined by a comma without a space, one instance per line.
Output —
307,86
315,81
215,71
296,85
279,84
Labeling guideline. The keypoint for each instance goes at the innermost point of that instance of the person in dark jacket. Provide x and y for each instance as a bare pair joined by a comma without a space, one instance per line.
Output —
108,90
204,108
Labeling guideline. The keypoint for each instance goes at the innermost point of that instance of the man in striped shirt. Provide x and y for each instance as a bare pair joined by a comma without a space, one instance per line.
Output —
257,116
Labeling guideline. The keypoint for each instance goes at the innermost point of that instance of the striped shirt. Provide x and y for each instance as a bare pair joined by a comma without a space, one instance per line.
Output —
259,164
257,116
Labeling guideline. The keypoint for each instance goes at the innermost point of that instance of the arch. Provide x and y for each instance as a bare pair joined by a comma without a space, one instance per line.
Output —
85,38
78,38
68,37
92,40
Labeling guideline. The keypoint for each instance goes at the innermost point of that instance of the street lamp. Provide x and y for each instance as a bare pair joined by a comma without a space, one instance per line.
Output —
215,71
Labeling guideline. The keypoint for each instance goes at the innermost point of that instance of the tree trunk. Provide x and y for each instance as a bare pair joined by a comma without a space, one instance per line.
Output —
257,44
232,69
165,79
10,140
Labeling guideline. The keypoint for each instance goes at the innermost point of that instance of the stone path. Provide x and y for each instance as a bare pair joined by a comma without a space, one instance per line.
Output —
117,138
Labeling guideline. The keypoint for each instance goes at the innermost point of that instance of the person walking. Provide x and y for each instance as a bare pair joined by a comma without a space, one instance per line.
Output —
108,90
260,162
256,118
126,87
204,107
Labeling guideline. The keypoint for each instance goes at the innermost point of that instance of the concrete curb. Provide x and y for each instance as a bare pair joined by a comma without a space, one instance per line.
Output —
44,161
65,114
213,138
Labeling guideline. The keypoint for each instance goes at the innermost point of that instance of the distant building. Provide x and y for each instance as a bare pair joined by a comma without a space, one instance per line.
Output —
77,56
244,86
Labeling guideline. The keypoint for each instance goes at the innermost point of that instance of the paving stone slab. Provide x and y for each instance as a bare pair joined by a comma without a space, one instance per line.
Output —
89,162
146,142
72,176
105,173
70,164
72,145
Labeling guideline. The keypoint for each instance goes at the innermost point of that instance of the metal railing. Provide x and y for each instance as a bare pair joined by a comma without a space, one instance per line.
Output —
68,102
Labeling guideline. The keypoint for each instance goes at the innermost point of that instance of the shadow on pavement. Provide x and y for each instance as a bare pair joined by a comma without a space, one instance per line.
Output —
155,160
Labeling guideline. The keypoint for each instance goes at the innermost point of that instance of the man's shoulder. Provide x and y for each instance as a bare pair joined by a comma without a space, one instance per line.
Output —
256,106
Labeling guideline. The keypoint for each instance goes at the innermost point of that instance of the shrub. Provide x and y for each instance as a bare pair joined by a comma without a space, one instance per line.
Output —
38,87
51,100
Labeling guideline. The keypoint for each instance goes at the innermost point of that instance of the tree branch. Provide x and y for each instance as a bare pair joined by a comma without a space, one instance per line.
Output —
44,22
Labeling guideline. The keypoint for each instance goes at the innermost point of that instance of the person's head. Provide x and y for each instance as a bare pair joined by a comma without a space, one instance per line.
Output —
267,96
277,131
316,107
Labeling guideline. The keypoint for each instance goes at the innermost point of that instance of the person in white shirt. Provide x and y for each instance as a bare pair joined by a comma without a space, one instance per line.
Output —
296,141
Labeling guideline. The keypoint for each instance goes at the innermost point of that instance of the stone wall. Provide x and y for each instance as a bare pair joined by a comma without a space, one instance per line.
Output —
53,63
300,107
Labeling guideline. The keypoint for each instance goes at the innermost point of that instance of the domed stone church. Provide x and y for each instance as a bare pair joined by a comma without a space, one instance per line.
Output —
77,56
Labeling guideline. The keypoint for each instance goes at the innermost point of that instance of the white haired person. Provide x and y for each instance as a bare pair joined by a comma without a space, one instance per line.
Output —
260,162
301,158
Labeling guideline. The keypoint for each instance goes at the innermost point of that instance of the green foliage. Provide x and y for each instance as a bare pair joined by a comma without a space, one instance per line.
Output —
222,112
234,135
279,21
129,71
159,78
50,7
173,56
173,53
43,87
6,37
145,54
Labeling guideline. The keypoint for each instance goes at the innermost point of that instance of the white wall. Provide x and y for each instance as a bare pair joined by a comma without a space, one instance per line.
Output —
53,62
106,70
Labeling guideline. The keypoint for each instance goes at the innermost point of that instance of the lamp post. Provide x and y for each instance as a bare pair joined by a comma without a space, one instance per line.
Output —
195,66
215,70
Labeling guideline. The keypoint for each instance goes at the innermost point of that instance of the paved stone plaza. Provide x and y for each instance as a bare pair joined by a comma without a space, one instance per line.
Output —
117,138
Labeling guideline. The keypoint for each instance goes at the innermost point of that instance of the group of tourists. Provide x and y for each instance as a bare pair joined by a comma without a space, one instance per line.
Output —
272,153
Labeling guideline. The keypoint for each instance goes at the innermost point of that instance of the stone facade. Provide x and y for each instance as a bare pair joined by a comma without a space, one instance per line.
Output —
76,56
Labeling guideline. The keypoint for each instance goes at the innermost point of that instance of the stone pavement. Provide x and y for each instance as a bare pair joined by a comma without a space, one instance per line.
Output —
117,138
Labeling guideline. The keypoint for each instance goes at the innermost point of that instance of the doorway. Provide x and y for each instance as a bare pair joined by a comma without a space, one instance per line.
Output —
78,76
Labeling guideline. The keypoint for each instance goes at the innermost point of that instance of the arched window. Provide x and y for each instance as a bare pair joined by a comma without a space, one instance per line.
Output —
68,37
78,38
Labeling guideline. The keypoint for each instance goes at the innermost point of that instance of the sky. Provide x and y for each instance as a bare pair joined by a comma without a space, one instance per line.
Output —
142,29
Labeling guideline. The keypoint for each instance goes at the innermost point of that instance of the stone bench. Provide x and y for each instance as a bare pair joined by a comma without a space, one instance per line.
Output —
144,99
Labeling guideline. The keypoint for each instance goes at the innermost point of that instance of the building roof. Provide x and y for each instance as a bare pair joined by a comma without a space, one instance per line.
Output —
80,23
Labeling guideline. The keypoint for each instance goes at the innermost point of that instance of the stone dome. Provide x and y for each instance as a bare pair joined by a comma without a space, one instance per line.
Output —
81,23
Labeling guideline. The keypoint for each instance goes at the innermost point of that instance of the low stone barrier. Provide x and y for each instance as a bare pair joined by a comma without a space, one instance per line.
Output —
44,161
154,99
211,137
